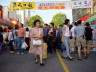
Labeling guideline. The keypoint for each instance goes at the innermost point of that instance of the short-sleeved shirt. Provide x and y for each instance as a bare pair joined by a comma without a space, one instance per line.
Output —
79,31
36,32
21,32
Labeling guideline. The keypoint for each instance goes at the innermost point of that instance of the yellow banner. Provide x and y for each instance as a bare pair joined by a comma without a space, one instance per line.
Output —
23,5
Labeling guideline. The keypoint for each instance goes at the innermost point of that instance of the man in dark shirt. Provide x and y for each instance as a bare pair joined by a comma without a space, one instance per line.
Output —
52,39
88,38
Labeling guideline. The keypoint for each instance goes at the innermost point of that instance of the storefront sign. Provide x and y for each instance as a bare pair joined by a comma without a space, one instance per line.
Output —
82,4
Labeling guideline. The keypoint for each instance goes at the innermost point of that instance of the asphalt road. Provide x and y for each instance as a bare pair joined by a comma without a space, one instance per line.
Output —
86,65
25,63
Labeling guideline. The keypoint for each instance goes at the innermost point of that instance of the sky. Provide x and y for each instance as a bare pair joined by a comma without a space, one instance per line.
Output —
47,15
4,2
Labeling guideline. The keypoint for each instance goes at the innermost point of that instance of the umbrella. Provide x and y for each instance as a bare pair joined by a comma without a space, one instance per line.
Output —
84,18
91,19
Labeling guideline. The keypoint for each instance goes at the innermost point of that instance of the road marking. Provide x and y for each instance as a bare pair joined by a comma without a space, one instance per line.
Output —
61,61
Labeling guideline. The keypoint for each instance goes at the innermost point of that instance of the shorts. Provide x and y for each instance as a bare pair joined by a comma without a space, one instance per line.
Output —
89,43
72,43
80,41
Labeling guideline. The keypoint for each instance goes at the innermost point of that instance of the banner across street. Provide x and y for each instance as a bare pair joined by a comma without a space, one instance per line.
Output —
45,5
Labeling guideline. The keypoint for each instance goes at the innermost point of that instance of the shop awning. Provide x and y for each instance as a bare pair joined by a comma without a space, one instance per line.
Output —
92,20
84,18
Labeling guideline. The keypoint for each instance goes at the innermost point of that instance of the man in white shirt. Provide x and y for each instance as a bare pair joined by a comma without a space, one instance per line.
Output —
66,38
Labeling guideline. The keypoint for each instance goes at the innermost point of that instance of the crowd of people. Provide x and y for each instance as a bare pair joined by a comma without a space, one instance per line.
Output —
21,40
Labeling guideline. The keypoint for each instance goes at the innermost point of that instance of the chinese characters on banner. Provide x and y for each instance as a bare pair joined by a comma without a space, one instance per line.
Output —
82,4
45,5
23,5
50,5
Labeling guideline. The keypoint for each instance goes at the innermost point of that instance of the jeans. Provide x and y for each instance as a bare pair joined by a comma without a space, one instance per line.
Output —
66,47
20,41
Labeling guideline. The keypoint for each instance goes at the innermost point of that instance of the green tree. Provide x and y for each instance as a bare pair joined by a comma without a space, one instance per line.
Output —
33,18
58,19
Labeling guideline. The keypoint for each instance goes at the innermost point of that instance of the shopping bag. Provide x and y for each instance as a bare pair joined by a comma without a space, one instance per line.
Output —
24,45
45,54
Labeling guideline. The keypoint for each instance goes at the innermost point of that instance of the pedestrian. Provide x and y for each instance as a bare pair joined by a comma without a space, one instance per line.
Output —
52,39
15,37
94,37
20,39
1,39
27,39
59,37
66,38
5,38
11,40
5,35
73,38
36,36
45,32
88,37
80,42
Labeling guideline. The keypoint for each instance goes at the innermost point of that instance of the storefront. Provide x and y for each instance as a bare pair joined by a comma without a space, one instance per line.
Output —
1,11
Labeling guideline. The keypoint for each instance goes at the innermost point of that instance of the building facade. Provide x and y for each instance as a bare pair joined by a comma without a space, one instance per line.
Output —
79,13
1,11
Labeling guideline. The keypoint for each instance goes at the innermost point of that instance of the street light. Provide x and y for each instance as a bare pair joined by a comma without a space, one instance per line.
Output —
14,22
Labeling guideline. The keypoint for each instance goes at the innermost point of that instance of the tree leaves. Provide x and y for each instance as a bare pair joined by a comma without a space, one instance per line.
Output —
58,19
33,18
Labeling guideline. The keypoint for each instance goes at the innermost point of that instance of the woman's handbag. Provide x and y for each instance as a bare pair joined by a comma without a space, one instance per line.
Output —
37,42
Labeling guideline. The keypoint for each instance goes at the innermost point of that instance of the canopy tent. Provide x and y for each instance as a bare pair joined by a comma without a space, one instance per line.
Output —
84,18
93,26
92,20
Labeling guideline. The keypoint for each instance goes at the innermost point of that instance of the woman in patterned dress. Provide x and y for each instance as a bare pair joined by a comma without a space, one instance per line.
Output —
36,34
